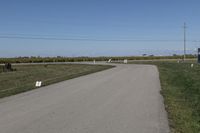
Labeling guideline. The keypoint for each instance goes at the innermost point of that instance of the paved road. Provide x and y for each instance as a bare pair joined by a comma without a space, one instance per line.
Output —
124,99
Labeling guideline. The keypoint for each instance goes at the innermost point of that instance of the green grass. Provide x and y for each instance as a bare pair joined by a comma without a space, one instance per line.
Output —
26,75
181,91
1,69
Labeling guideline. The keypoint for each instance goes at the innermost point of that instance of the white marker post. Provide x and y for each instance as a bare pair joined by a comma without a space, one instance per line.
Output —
38,83
94,62
192,65
125,61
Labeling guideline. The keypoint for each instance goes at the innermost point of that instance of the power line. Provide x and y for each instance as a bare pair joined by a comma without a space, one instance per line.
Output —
85,39
40,35
44,37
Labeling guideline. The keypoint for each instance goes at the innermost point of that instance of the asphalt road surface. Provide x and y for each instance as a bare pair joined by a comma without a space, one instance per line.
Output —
124,99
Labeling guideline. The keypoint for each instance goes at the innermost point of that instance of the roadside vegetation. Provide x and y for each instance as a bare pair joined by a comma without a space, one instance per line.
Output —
1,69
79,59
25,76
181,90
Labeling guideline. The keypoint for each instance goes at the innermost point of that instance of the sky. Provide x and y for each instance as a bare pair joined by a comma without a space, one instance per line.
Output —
97,27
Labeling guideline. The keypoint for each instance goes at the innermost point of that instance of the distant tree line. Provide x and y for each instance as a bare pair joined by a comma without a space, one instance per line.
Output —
81,59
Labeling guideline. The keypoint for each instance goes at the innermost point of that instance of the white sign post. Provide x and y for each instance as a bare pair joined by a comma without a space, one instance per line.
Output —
38,83
125,61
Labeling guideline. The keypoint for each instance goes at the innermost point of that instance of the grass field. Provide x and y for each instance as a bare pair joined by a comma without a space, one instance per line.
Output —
80,59
181,90
26,75
1,69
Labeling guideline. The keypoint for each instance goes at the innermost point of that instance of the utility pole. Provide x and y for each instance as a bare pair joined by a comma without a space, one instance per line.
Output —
184,28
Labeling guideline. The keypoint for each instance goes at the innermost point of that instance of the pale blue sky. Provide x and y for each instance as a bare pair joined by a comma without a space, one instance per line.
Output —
102,22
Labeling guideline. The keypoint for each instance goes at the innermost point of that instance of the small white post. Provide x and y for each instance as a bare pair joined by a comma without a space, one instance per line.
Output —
38,83
192,65
125,61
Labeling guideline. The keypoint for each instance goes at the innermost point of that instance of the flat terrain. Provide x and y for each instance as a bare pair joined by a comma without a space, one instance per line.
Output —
27,74
124,99
181,90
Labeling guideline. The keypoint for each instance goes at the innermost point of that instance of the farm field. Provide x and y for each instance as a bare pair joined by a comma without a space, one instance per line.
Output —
26,75
181,90
80,59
